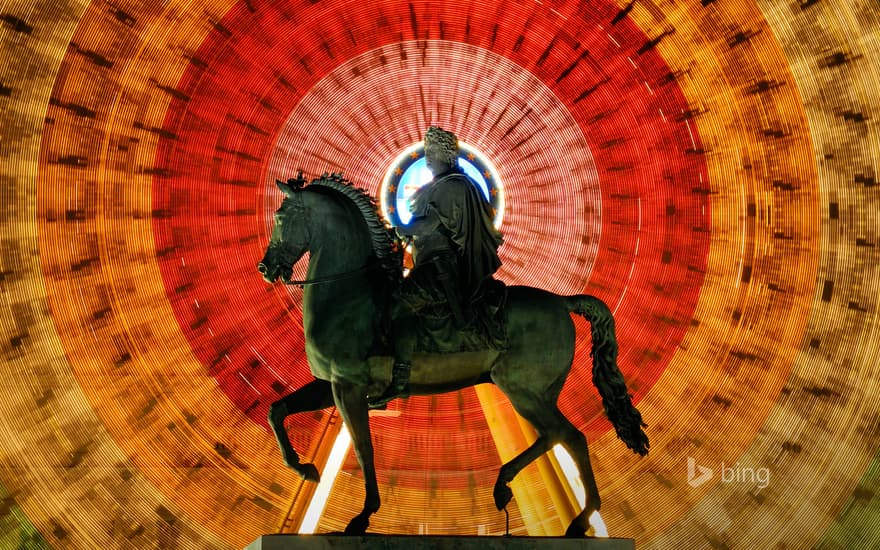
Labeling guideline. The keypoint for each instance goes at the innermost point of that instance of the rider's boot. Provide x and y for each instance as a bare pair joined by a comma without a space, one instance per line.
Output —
399,386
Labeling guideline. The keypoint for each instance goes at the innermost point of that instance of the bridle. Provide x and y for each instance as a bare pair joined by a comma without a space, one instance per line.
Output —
332,278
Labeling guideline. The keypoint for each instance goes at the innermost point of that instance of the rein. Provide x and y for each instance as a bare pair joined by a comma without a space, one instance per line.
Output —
332,278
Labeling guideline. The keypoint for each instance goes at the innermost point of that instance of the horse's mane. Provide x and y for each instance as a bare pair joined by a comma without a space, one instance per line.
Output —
382,236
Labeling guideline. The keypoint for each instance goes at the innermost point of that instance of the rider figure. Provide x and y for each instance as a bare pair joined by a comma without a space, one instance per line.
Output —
455,248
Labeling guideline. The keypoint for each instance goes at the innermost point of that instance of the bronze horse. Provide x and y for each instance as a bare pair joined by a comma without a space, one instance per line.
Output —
355,264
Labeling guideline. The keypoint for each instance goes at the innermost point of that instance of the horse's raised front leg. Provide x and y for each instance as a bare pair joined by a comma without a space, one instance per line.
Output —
351,400
313,396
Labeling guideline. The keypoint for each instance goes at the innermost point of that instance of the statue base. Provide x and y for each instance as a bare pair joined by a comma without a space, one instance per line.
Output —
419,542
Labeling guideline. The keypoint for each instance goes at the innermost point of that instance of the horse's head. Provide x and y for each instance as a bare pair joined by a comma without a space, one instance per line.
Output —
290,235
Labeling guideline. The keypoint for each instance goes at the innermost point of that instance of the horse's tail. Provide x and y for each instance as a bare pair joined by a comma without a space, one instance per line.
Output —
626,419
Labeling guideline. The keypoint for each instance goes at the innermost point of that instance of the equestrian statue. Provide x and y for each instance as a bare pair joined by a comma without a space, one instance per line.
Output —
373,335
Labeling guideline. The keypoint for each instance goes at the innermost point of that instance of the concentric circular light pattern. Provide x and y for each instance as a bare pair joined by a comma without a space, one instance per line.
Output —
708,168
491,102
385,95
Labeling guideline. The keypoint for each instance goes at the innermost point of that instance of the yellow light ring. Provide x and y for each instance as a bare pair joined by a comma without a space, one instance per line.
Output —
176,449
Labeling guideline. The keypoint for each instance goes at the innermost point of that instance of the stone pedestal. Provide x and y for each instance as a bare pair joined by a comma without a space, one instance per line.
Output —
426,542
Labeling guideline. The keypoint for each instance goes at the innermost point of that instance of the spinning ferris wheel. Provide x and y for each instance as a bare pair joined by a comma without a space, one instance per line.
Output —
708,169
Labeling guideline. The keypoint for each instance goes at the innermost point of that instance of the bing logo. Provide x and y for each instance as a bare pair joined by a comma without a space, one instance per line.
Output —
696,479
698,475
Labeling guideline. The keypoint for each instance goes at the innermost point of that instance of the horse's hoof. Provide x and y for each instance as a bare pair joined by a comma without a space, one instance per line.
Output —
307,471
358,525
575,532
502,494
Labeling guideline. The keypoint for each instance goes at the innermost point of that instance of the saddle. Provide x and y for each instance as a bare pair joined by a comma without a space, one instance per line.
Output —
485,323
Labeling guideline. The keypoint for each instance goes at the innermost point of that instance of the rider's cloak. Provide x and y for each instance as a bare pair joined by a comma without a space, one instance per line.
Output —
466,217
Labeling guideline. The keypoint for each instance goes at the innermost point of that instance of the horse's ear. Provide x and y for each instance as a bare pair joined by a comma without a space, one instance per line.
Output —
292,185
286,189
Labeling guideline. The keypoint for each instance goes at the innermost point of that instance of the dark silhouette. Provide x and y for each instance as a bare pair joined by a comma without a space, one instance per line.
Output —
353,273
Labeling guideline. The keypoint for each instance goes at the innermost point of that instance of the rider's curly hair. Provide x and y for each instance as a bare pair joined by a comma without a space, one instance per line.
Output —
447,142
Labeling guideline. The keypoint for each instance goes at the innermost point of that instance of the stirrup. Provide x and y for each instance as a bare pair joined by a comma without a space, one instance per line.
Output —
398,387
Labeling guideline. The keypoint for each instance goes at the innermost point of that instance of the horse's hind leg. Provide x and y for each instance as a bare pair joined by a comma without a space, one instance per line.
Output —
502,492
536,410
553,428
576,444
314,396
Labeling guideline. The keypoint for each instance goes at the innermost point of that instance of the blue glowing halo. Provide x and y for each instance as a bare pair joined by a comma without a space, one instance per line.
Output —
409,172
